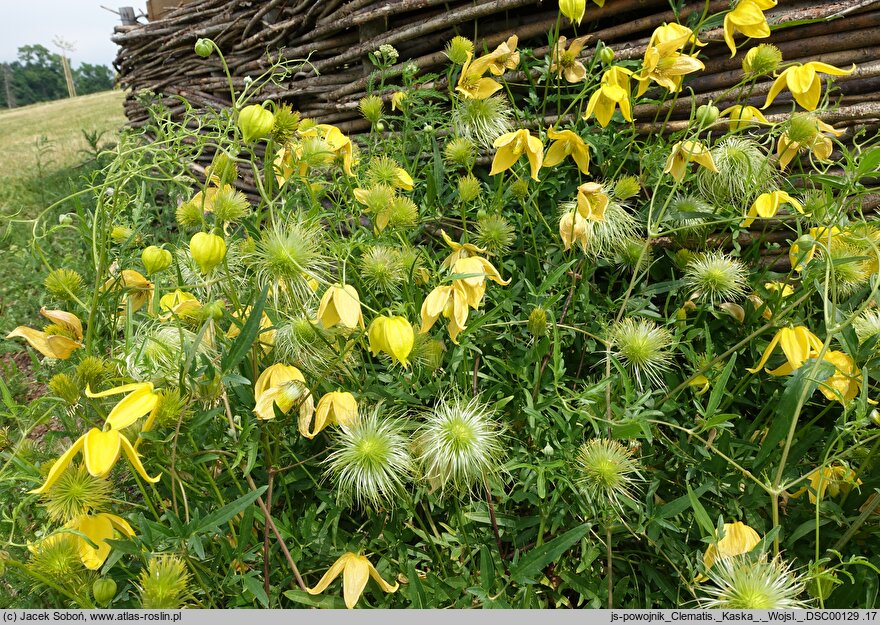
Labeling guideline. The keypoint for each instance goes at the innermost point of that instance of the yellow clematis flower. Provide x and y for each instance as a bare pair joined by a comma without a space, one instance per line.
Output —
767,205
57,340
474,271
139,290
179,304
356,571
567,143
451,301
665,65
748,18
738,539
573,229
459,250
574,9
798,344
339,144
742,116
393,336
504,57
565,63
397,101
821,234
341,305
511,145
98,528
140,401
334,408
804,83
846,381
834,480
820,145
592,201
674,35
100,452
784,289
684,152
614,90
471,83
283,386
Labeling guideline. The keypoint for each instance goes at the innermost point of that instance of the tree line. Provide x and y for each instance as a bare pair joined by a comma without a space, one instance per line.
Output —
37,75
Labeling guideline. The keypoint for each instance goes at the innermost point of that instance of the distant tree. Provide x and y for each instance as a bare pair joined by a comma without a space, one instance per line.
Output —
92,78
37,75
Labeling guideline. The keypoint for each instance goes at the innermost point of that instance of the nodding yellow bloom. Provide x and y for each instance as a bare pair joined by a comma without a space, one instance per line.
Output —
741,116
592,201
59,339
574,9
283,386
665,65
573,229
473,271
783,288
504,57
846,381
804,83
738,539
685,152
567,143
798,344
339,144
397,100
356,571
800,259
820,145
139,290
393,336
748,18
511,145
100,453
341,305
98,528
565,62
179,304
471,83
834,480
459,250
675,35
767,205
614,90
451,301
334,408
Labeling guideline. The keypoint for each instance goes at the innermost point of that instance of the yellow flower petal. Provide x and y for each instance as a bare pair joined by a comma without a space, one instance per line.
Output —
59,466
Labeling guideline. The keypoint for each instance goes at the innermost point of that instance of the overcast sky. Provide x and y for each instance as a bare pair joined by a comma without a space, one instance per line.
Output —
81,22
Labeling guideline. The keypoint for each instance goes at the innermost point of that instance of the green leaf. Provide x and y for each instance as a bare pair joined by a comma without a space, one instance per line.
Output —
677,506
255,587
249,332
539,557
720,388
700,514
320,601
224,514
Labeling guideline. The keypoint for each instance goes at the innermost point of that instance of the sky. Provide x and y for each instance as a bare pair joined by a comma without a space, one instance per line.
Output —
81,22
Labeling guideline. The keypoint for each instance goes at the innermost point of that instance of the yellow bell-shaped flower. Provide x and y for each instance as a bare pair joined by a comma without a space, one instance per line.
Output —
208,250
738,539
511,145
567,143
393,336
341,305
356,571
804,83
451,301
614,90
283,386
98,528
473,271
179,304
334,408
748,18
685,152
798,344
767,205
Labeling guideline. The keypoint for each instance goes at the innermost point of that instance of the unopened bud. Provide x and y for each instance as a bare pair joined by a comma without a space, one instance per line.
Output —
208,250
255,122
204,47
155,259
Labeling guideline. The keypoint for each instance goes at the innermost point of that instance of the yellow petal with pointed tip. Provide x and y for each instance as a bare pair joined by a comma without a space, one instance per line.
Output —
135,461
101,450
60,466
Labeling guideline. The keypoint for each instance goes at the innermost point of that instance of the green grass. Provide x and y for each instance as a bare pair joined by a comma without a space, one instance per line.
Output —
44,154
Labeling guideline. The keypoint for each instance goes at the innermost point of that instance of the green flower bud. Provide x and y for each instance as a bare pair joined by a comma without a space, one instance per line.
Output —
214,310
707,114
155,259
104,589
606,55
875,417
204,47
255,122
537,325
208,250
